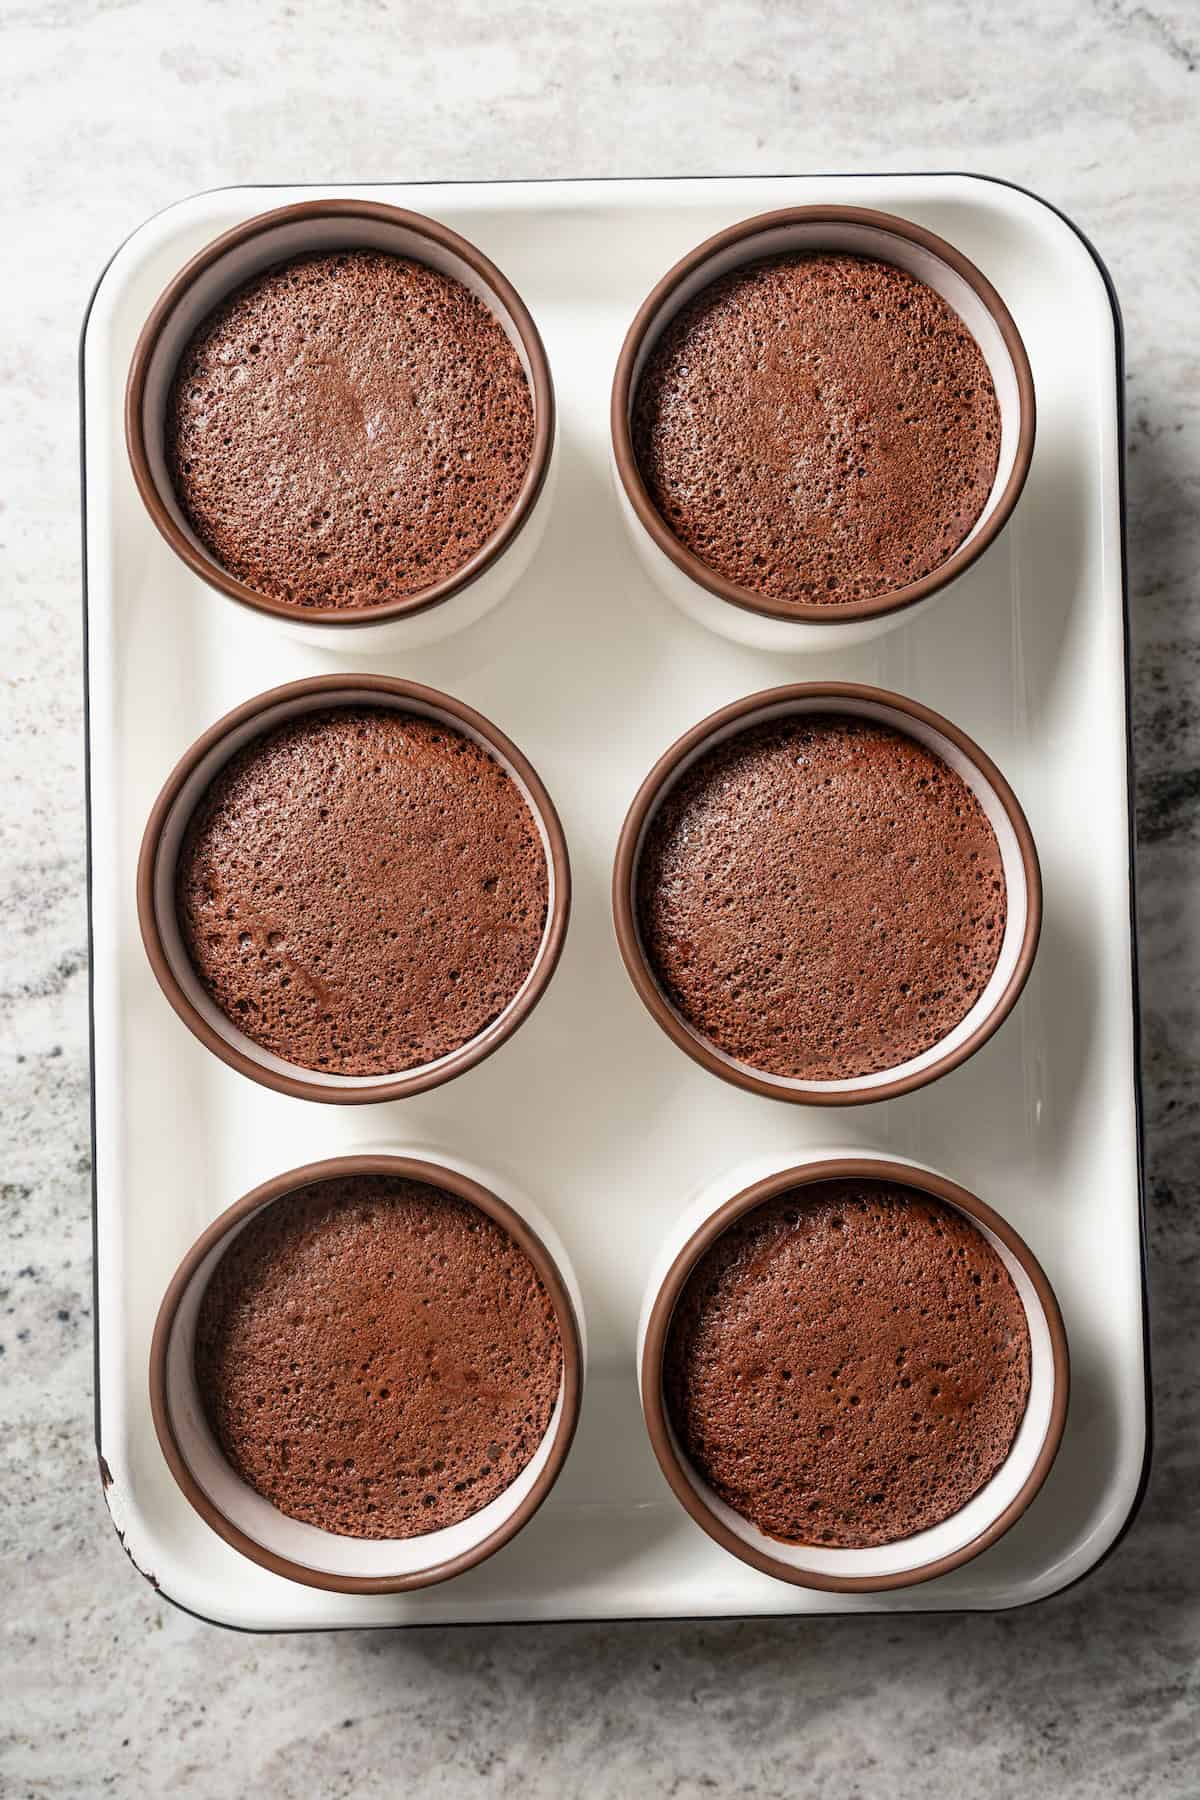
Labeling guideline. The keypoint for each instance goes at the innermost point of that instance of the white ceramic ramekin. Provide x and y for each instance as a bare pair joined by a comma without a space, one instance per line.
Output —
164,833
303,1552
927,1553
412,620
1022,878
737,612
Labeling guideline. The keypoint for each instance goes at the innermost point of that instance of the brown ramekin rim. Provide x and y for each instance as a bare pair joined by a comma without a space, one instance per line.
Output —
896,599
407,605
670,1458
350,1091
642,975
278,1188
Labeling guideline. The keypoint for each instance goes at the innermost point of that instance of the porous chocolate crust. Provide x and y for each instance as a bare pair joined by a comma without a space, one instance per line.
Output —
818,428
376,1357
848,1364
349,428
362,890
821,897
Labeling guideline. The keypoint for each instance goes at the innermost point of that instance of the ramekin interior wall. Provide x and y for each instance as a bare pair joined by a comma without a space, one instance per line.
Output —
962,1527
292,1539
176,824
867,240
242,263
997,815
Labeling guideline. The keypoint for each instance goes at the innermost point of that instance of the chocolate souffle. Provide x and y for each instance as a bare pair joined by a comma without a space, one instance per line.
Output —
377,1357
848,1364
362,890
817,428
346,429
821,897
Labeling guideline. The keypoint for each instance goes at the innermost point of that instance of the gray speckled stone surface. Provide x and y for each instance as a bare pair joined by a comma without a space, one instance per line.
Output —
109,111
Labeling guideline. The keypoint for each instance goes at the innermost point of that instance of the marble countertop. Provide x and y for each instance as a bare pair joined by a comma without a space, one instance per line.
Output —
109,112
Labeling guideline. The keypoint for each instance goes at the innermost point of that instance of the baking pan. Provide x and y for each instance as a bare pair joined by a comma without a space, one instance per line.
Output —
593,1111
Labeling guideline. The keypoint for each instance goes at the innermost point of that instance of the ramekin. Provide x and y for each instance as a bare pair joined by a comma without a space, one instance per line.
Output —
302,1552
737,612
164,832
1019,857
411,620
943,1547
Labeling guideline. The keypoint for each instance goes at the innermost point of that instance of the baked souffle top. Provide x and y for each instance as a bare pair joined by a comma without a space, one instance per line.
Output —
362,890
848,1364
821,897
347,429
377,1357
817,428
